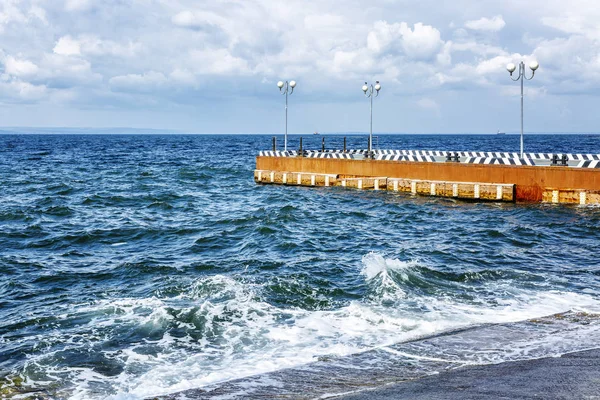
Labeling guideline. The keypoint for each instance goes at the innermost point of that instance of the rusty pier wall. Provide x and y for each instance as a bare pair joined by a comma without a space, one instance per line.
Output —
558,184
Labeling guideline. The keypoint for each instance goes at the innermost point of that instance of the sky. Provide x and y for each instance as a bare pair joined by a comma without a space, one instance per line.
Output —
212,66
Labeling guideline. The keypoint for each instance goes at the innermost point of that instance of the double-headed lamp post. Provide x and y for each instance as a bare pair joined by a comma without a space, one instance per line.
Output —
522,76
371,91
284,88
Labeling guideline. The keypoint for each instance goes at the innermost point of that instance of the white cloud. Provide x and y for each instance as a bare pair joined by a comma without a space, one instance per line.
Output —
323,22
77,5
494,24
576,17
21,68
421,43
197,19
94,46
495,65
28,91
61,71
67,46
457,74
478,48
460,33
218,62
345,62
39,13
13,12
22,92
445,56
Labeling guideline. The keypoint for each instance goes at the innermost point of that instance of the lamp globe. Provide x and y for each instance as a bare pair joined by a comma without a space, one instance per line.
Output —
534,65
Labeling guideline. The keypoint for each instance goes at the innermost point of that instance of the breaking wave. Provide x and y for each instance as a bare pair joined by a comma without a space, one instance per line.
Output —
220,328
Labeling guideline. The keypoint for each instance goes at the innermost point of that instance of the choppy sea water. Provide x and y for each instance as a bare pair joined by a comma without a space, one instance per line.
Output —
135,266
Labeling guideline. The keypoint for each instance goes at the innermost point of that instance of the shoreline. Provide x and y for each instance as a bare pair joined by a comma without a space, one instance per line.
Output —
468,363
570,376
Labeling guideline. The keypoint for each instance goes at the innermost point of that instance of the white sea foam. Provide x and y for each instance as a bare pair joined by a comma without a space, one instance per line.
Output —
241,334
375,264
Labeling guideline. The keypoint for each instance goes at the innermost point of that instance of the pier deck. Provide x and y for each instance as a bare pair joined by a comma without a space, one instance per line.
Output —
569,178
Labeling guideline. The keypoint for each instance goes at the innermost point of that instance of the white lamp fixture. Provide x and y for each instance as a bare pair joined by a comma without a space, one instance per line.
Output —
369,90
286,88
533,65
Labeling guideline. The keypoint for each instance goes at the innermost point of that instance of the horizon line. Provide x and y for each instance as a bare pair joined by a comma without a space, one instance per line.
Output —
162,131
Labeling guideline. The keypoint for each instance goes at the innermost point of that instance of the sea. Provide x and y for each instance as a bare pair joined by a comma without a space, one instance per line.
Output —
135,266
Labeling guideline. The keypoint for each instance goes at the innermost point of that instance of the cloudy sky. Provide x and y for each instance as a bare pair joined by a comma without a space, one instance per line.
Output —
212,66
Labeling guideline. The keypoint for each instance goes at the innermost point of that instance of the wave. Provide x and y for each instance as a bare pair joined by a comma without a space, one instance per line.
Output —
224,327
384,274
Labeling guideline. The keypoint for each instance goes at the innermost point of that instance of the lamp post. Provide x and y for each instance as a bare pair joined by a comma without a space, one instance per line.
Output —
284,88
522,76
369,90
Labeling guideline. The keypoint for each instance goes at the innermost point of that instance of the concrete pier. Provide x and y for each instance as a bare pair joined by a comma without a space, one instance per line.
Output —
484,182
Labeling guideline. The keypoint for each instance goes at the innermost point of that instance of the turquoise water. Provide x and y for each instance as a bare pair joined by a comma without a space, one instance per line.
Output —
136,265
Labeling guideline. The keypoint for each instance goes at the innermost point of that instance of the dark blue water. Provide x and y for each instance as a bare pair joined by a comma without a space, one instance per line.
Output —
134,266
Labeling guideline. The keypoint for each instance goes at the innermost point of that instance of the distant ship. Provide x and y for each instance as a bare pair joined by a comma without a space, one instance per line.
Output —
500,133
315,133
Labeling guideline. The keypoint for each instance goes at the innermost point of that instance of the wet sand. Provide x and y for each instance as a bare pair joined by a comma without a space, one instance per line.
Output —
572,376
